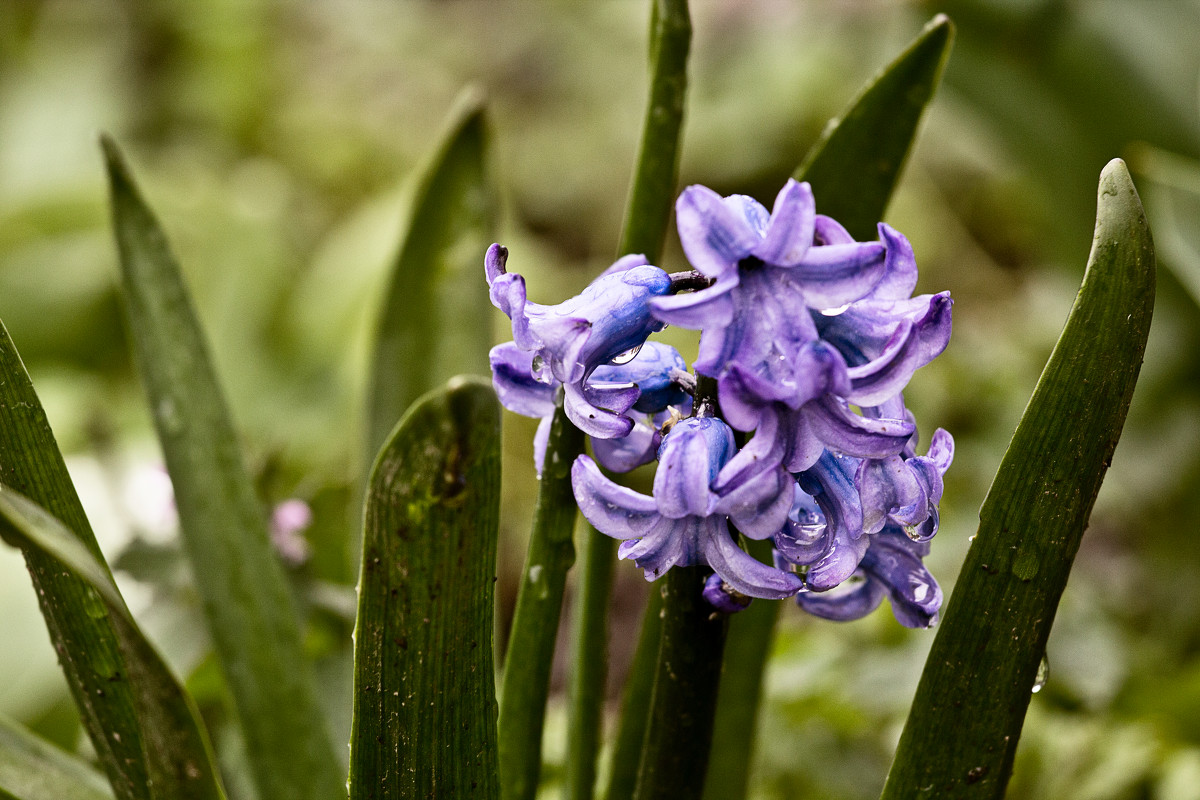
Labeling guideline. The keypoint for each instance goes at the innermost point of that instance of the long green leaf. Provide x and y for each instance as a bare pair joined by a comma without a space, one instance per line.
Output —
525,685
424,692
246,601
179,762
647,216
963,728
84,637
870,142
437,277
854,169
32,769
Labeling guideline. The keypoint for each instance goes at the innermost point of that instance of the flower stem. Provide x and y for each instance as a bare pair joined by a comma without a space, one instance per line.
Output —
590,664
635,707
526,682
684,702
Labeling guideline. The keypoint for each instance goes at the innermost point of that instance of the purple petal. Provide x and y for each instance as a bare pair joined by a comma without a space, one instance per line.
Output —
494,261
508,295
516,387
626,262
714,235
846,432
887,486
717,595
742,571
837,274
843,604
900,267
590,419
691,456
757,503
706,308
664,546
827,230
789,233
629,452
915,595
838,563
614,510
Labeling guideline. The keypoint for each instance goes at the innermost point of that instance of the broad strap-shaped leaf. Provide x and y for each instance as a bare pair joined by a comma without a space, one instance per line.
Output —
179,762
33,769
965,722
246,600
424,690
83,635
858,160
434,322
853,169
525,685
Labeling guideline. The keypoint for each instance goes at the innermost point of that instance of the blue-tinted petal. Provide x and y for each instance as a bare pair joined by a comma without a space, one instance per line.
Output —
836,274
843,431
664,546
789,233
717,594
691,455
639,447
614,510
742,571
651,371
707,308
900,268
756,502
591,419
888,487
714,235
915,596
844,604
515,385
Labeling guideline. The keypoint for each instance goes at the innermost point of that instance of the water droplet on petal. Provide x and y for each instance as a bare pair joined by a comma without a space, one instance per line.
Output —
1043,674
833,312
627,356
912,532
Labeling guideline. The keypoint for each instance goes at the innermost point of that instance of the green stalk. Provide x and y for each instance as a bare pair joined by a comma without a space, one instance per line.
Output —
647,216
635,705
526,681
684,703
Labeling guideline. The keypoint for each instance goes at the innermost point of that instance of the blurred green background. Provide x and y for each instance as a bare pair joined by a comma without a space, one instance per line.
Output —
274,139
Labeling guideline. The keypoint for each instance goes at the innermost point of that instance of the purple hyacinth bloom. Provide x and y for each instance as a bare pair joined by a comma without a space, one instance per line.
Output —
905,490
768,271
686,522
570,340
718,594
893,567
640,389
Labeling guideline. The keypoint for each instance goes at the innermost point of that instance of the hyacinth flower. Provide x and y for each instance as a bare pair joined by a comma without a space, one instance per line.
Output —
571,340
650,372
686,522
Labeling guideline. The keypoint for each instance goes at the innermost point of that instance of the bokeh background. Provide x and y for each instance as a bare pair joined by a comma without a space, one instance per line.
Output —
274,139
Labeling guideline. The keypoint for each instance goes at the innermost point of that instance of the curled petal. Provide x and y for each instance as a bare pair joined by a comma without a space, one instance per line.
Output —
669,543
494,261
614,510
837,274
593,420
626,262
742,571
827,230
789,233
845,603
717,594
651,370
915,595
888,487
691,456
758,503
711,307
846,432
714,235
515,385
629,452
900,267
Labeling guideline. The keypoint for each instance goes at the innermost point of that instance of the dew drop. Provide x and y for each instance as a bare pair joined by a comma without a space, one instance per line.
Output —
627,356
1043,674
913,532
833,312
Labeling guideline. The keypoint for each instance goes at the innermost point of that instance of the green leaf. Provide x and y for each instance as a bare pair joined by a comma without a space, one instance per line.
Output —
32,769
965,722
83,635
424,691
635,703
179,763
246,600
857,162
526,680
434,323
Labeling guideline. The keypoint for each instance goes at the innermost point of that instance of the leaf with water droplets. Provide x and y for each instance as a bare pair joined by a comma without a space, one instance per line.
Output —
987,655
424,693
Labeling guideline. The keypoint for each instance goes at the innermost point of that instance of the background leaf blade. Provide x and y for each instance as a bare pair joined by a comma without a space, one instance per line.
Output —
985,657
437,274
178,757
246,601
31,769
424,696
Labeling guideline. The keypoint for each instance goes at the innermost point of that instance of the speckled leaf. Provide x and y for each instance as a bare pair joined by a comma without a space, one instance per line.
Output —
424,681
965,722
84,636
179,763
857,162
247,604
436,318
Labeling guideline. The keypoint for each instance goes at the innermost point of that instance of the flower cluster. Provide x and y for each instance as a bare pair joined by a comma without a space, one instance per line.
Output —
808,339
